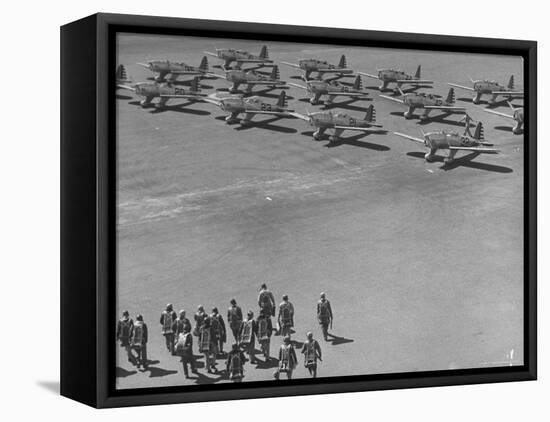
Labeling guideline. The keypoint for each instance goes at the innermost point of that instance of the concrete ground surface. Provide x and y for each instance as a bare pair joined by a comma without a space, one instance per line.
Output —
422,262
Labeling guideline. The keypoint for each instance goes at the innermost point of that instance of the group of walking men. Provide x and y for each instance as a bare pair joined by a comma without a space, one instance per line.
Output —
211,334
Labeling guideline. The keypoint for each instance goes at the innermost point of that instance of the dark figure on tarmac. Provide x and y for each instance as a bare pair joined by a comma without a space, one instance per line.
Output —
234,319
247,335
184,349
180,324
167,319
200,316
312,352
235,363
123,332
285,318
287,359
218,329
208,346
264,332
138,342
324,315
266,300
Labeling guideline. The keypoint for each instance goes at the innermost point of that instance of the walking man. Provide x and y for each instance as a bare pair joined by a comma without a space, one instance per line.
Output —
200,316
287,359
207,346
184,348
247,336
285,319
266,300
235,363
234,319
324,315
123,332
218,330
180,324
167,319
139,338
265,330
311,351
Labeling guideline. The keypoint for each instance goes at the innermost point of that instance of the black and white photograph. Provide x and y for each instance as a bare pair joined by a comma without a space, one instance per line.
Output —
290,210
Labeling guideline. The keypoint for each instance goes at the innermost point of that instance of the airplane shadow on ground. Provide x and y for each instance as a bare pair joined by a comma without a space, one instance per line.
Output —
337,340
507,129
355,141
155,372
271,363
263,124
464,161
123,373
439,118
204,379
497,103
266,92
178,108
343,104
123,97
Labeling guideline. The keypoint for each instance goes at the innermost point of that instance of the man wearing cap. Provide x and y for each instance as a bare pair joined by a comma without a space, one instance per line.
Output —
181,323
287,359
138,341
207,345
264,331
247,336
235,363
324,315
167,319
123,331
285,319
218,329
311,351
234,318
200,316
266,300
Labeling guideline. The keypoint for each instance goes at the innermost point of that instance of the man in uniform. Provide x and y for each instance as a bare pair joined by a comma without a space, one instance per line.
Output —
218,329
235,363
234,318
324,315
167,319
285,319
264,332
180,324
247,335
200,316
266,300
184,348
312,352
207,345
287,359
123,331
138,341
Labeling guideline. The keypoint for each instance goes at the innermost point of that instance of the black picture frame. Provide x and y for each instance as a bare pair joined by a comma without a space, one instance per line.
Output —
88,209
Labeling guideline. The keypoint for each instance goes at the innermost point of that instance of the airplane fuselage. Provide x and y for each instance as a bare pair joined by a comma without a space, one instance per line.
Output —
149,91
444,140
393,75
329,120
238,77
167,66
415,100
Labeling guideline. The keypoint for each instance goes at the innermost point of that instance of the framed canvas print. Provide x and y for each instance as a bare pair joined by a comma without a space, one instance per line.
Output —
253,210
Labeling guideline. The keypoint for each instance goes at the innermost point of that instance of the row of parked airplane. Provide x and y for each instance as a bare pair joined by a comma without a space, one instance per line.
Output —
168,72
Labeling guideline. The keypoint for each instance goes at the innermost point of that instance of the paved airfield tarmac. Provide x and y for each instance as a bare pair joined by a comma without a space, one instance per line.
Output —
422,263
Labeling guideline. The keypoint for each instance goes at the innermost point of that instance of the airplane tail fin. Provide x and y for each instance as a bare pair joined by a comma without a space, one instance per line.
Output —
358,84
418,72
343,62
121,74
478,134
275,74
371,114
264,54
203,67
450,96
511,82
195,84
282,102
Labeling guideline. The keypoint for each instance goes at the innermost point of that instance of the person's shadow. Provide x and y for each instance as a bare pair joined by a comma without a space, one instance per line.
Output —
336,340
51,386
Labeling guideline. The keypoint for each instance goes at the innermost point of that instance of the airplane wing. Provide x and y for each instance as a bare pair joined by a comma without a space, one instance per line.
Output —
517,93
461,87
360,129
264,82
291,65
298,85
215,75
347,94
299,116
498,113
409,137
145,65
368,75
122,86
477,149
276,113
188,96
211,101
397,100
414,81
335,70
448,108
210,53
254,61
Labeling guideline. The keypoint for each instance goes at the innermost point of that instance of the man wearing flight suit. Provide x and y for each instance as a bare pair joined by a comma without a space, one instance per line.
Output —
264,331
167,319
234,319
123,331
285,318
181,323
311,351
184,348
247,335
218,329
324,315
287,359
138,341
266,300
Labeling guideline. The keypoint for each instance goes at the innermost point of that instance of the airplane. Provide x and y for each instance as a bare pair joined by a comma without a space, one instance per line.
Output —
428,102
250,106
453,141
517,116
493,88
164,91
121,75
390,75
251,78
175,69
332,89
230,55
322,67
339,121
